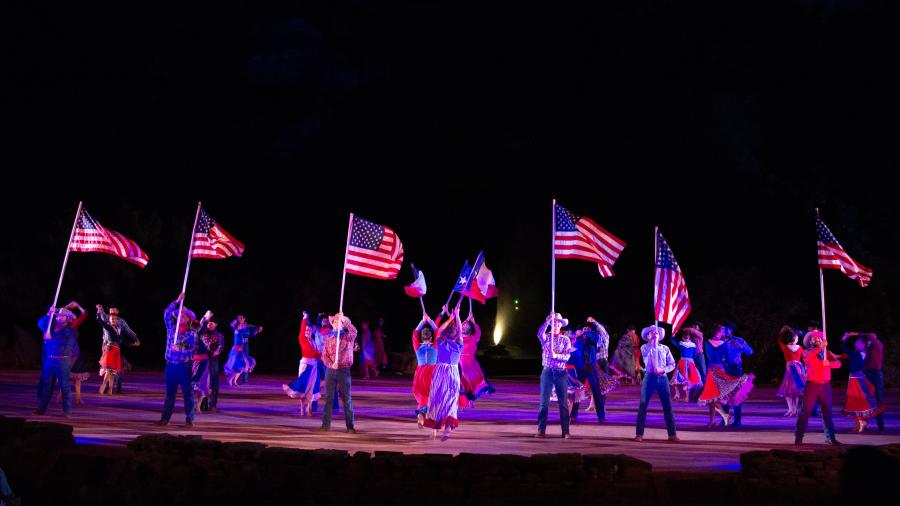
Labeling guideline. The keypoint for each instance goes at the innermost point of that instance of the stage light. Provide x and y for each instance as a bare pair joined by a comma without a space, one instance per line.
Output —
516,302
498,331
517,308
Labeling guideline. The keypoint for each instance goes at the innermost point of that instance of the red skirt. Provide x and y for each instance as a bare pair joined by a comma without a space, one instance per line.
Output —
111,358
686,372
861,402
422,384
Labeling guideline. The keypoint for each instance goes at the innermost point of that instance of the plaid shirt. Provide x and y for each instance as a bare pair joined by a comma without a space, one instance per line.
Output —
600,339
179,347
345,355
556,348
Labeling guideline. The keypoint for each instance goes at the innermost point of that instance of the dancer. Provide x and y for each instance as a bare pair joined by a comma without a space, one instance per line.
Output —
60,336
734,349
214,342
239,361
367,351
443,397
625,363
861,401
593,367
306,386
686,377
658,363
556,348
115,333
794,373
819,362
719,386
426,359
207,346
180,344
337,354
695,329
79,372
472,379
873,372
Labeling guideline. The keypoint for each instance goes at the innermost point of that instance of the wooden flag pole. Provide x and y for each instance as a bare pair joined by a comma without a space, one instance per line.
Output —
187,270
822,293
553,260
340,323
655,288
63,271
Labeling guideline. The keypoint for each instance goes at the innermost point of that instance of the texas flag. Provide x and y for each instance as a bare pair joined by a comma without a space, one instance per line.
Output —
482,285
417,288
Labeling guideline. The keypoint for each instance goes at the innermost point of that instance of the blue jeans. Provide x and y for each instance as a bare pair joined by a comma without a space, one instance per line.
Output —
340,379
813,392
178,375
876,378
737,372
659,384
213,381
554,378
55,369
599,399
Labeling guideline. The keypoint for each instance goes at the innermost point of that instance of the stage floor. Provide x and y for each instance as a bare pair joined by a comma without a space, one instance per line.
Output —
503,423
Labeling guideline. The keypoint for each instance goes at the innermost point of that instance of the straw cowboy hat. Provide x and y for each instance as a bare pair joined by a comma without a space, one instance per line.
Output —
646,330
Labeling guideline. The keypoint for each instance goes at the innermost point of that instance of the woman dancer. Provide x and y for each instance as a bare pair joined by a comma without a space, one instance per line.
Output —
861,402
794,373
443,398
426,359
720,388
306,386
239,361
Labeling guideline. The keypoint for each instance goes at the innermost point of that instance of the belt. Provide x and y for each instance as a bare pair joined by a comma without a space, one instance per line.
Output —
58,356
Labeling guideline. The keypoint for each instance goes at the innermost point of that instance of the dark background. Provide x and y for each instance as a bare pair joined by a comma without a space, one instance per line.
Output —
454,123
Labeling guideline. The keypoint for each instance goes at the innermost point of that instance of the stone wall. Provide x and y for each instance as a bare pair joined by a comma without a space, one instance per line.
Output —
45,466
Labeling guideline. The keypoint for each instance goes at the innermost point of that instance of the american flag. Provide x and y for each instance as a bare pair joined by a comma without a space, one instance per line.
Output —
670,292
90,236
374,251
580,237
833,256
213,241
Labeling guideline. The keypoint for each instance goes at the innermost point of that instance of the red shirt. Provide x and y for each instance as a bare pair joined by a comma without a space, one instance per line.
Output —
790,356
818,370
307,346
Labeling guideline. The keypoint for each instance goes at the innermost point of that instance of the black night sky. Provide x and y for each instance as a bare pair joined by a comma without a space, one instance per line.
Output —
455,123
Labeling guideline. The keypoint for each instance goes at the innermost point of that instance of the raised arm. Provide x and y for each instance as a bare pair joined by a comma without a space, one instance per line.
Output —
169,313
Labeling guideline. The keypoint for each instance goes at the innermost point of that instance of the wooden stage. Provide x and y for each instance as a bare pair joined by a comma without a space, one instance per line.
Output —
503,423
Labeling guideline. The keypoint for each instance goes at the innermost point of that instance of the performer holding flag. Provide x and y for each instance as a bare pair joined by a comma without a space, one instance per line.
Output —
373,251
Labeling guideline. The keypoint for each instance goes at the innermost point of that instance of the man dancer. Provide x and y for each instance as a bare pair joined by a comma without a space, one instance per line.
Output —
338,358
819,362
180,343
556,349
60,338
594,344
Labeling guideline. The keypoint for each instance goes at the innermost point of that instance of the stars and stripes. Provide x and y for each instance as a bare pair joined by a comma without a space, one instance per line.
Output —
833,256
670,293
90,237
581,238
213,241
374,250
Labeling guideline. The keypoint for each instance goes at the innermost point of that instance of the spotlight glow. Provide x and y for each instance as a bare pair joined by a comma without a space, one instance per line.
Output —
498,332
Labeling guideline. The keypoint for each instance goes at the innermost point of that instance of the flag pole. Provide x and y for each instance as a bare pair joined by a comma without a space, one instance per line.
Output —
187,270
655,287
416,276
553,260
63,271
470,303
822,292
337,346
